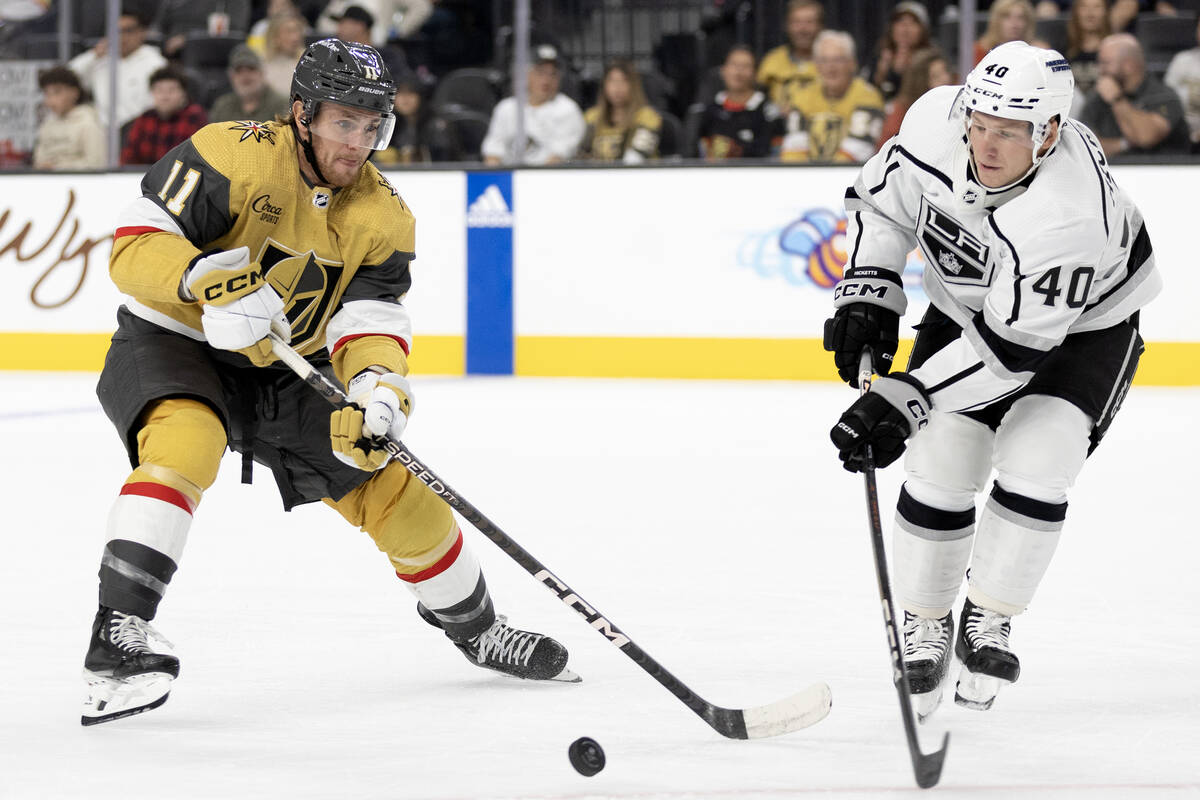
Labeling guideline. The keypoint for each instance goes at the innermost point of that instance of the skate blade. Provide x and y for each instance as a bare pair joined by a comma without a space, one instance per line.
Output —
976,690
566,676
926,703
111,699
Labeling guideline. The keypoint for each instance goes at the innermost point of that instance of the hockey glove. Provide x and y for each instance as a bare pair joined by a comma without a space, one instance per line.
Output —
883,418
240,308
869,303
380,407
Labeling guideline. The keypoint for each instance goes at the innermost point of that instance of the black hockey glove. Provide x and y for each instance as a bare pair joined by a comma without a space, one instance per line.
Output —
856,327
884,418
869,302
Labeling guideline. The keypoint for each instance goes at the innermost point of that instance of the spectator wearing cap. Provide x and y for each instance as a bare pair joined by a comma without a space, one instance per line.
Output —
553,122
136,62
907,32
251,98
399,18
739,122
1130,110
838,118
70,136
789,66
172,119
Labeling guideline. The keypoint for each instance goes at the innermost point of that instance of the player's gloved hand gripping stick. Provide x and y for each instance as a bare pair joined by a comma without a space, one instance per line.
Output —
782,716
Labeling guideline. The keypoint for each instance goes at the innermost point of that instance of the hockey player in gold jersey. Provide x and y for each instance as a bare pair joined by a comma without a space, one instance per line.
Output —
249,228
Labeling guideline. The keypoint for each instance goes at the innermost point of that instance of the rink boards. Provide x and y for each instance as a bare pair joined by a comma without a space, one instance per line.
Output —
659,272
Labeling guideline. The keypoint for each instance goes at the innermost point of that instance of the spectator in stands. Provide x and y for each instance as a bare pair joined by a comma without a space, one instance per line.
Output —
1086,28
418,137
1183,75
70,136
1123,13
251,98
553,122
739,122
907,32
257,37
1008,21
282,49
172,119
137,61
927,70
179,18
403,17
839,117
1130,110
621,126
790,66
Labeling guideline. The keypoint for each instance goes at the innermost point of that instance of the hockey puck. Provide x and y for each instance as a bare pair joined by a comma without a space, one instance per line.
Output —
586,756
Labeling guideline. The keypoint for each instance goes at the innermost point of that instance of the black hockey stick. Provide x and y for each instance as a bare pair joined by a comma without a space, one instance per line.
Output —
926,767
783,716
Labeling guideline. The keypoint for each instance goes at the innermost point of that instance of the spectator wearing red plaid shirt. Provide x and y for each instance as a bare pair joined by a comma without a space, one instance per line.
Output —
172,120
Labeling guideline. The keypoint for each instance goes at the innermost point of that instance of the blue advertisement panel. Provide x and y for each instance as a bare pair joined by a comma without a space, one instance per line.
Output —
489,346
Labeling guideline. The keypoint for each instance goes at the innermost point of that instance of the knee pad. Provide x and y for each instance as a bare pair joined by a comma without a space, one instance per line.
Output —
183,440
407,521
1041,446
949,461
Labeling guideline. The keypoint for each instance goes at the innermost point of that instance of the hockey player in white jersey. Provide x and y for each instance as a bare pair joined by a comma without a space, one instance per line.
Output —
1036,266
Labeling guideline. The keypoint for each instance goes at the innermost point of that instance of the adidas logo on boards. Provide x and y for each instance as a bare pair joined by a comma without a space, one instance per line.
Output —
489,210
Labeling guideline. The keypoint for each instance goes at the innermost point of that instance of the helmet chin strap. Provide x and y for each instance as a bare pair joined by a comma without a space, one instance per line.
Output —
309,153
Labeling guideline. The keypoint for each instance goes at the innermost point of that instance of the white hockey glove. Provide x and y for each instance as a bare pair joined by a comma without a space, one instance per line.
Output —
240,307
382,403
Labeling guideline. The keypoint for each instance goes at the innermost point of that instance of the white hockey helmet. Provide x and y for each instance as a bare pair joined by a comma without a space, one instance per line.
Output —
1018,81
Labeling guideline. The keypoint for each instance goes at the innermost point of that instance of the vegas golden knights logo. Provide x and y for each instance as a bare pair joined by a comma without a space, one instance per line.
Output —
308,285
824,136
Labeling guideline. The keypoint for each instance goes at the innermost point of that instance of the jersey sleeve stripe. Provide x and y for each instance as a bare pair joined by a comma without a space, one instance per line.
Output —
966,373
1004,357
342,342
918,162
1016,306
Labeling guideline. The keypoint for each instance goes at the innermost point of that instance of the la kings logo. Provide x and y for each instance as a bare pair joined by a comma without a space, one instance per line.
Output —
959,256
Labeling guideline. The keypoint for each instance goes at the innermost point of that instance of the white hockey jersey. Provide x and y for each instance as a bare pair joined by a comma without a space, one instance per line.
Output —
1064,251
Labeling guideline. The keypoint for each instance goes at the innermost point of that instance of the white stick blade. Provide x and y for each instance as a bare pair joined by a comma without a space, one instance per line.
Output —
790,714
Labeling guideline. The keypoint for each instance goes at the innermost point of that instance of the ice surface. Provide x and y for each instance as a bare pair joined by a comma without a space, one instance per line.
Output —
709,520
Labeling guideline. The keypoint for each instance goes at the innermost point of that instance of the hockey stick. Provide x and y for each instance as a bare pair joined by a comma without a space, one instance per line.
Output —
926,767
783,716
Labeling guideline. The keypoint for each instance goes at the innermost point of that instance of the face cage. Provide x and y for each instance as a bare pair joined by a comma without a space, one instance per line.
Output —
358,134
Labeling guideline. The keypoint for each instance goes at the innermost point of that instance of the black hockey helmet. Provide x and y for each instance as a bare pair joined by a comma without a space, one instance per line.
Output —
349,73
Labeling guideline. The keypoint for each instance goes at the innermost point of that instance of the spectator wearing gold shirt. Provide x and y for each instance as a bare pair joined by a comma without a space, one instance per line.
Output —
837,118
621,126
790,66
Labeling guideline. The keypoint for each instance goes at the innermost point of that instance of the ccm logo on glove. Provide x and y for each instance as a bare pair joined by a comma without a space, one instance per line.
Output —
234,287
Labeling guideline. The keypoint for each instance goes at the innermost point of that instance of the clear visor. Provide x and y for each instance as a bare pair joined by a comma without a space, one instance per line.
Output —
1004,131
366,129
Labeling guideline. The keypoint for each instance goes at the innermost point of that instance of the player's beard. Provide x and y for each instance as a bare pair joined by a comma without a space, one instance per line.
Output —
340,164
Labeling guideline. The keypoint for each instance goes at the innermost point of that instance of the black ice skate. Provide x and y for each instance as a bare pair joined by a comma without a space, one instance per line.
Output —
987,661
926,659
125,673
515,652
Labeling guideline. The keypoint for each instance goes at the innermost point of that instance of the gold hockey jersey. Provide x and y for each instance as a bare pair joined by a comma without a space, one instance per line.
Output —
339,258
845,129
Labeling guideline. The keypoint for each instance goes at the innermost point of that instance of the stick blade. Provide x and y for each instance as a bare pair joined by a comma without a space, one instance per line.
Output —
927,767
789,714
